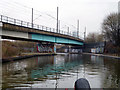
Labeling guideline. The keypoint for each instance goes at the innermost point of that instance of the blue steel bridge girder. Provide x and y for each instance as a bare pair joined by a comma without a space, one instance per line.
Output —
55,39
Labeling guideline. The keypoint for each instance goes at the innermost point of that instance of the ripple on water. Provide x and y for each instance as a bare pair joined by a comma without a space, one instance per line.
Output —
45,73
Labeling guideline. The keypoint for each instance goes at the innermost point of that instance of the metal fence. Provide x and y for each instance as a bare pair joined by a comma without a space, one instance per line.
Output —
10,20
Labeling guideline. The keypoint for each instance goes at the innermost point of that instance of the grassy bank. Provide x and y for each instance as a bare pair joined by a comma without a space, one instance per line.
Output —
16,48
26,55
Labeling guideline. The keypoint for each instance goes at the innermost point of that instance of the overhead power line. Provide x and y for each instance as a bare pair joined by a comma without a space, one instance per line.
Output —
25,11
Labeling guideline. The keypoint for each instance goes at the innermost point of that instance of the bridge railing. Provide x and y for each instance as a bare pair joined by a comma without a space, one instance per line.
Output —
10,20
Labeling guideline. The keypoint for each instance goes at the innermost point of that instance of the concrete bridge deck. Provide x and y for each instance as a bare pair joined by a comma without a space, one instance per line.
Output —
22,30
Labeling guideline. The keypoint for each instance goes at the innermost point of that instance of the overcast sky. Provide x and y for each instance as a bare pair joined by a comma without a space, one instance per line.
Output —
89,12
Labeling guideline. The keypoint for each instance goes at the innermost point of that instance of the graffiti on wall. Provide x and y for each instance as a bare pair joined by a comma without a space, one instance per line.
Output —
45,48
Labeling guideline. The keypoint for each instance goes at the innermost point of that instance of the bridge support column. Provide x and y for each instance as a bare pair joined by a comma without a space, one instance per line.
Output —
1,55
0,38
69,49
0,62
1,31
54,47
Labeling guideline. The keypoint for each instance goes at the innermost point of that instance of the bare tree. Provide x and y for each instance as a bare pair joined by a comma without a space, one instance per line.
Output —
94,37
110,29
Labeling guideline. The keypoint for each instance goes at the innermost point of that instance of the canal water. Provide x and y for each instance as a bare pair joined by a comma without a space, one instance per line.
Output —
61,71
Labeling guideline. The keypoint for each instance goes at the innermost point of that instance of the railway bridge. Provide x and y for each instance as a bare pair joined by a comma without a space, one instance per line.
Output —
15,29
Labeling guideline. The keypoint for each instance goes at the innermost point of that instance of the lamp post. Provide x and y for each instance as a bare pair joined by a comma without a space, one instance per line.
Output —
85,34
68,30
78,28
57,19
32,18
118,22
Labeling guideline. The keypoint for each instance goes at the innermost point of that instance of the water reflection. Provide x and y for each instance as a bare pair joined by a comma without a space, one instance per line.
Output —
61,71
112,77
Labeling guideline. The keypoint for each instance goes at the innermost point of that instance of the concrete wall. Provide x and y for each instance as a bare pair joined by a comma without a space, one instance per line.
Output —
15,34
94,47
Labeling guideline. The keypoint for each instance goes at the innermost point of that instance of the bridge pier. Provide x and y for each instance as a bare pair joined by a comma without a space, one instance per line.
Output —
0,38
54,48
0,47
1,54
69,48
1,31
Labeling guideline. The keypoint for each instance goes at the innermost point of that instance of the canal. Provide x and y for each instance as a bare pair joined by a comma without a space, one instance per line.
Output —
61,71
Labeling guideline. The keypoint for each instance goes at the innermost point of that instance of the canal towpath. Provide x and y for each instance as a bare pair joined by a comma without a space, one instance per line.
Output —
103,55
